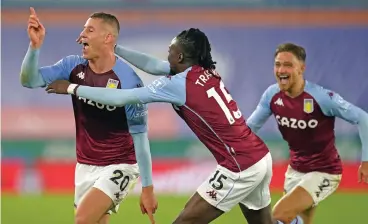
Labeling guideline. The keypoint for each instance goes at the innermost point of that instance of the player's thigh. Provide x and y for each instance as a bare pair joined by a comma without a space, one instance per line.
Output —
206,204
308,215
116,181
304,191
292,204
90,204
261,216
292,179
224,189
105,219
197,210
256,205
84,179
320,185
111,185
93,207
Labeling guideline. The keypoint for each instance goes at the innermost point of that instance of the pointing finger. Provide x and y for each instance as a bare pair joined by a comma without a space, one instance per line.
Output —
33,11
150,215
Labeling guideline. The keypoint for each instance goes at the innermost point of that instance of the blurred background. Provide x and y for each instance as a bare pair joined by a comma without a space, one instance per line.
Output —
37,130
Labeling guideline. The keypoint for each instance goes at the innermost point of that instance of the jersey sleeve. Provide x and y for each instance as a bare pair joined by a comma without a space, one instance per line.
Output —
136,111
333,105
137,116
263,110
144,62
61,69
143,155
165,89
170,89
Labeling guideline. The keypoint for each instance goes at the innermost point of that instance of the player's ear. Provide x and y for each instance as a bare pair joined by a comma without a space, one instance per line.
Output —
302,68
109,38
180,57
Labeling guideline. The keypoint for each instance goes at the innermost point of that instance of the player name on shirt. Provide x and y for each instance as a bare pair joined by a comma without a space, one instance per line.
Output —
203,102
202,79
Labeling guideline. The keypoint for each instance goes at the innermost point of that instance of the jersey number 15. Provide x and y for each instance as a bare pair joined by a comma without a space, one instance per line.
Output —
230,115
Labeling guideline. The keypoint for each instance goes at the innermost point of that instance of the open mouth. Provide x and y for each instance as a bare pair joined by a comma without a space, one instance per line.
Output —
284,79
85,45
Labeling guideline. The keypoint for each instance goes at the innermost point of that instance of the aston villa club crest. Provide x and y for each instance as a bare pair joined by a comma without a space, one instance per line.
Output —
112,84
308,106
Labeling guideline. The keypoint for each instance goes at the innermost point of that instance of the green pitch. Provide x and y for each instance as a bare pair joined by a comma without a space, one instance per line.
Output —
341,208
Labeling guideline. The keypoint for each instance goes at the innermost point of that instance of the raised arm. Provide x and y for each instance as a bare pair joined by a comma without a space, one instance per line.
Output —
143,61
30,76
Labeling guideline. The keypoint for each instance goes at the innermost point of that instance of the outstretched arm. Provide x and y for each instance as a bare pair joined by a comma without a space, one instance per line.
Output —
263,110
143,61
164,89
335,105
353,114
112,97
357,116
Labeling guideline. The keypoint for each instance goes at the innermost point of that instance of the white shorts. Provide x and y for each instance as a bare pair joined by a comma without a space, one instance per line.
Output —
114,180
224,189
319,185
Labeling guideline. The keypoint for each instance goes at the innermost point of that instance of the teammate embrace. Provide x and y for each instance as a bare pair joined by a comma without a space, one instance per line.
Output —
305,113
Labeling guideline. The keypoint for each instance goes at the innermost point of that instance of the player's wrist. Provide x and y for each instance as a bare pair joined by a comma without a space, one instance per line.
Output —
34,47
364,158
72,89
147,188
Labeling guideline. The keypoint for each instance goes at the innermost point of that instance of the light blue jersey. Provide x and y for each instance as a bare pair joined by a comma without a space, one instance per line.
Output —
307,121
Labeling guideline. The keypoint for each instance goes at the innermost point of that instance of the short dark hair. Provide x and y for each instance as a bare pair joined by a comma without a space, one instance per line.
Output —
296,50
196,47
107,18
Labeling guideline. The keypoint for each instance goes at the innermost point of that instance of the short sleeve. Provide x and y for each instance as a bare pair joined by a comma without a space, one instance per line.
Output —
61,69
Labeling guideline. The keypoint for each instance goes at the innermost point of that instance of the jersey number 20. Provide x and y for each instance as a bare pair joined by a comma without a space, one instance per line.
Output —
230,115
